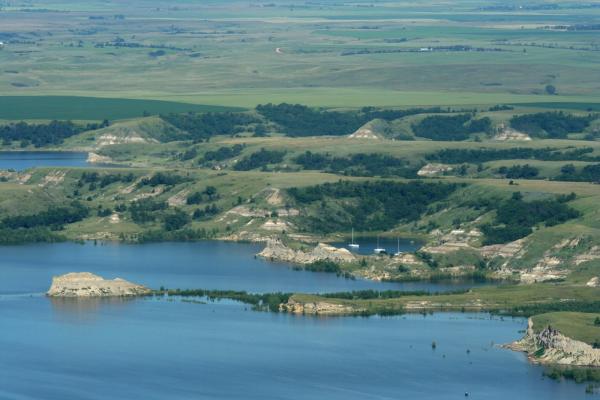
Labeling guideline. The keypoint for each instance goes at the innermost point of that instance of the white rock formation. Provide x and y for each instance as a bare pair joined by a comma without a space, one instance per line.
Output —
434,169
94,158
594,282
505,133
85,284
552,347
506,250
277,251
317,308
371,130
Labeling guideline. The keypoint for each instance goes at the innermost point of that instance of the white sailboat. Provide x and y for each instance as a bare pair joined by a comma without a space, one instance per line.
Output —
353,245
379,250
398,252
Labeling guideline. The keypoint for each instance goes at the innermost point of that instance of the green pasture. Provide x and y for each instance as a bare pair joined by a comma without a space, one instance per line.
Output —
224,54
90,108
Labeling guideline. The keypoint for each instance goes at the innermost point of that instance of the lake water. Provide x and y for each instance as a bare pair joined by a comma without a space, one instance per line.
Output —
22,160
163,348
202,265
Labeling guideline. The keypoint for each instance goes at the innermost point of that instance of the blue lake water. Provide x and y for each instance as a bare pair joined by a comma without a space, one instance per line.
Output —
22,160
206,265
163,348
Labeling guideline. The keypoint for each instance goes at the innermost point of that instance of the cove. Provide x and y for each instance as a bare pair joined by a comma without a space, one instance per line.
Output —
205,265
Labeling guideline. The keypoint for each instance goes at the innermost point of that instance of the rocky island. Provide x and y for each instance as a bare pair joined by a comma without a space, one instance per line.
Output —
85,284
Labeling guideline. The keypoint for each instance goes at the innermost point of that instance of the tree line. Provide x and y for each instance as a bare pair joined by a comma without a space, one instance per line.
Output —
589,173
525,171
515,218
163,178
300,120
359,164
40,135
42,226
450,128
95,179
259,159
54,218
366,206
476,156
550,125
222,153
201,126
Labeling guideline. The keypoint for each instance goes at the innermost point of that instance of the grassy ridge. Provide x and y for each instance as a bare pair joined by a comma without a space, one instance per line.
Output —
518,300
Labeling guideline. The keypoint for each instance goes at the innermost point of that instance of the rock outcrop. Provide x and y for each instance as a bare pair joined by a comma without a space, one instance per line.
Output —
551,347
277,251
374,129
434,169
594,282
85,284
506,250
95,158
505,133
592,254
316,308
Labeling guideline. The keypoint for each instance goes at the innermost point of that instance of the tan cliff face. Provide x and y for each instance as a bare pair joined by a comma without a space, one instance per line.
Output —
85,284
94,158
552,347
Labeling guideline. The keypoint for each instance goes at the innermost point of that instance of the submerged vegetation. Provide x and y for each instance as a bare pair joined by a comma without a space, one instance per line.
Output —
265,302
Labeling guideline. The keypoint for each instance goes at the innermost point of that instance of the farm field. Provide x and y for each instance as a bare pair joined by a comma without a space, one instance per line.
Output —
239,54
